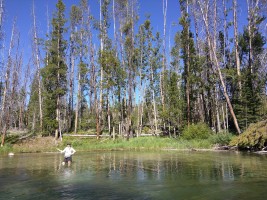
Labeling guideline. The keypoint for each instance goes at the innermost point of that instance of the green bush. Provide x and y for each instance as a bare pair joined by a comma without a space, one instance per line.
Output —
221,138
146,129
196,131
255,137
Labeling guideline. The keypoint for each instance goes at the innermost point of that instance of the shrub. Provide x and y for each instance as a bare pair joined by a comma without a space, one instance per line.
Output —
196,131
255,137
146,129
221,138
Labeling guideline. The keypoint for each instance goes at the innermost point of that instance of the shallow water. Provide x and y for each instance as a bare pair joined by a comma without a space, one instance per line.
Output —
134,175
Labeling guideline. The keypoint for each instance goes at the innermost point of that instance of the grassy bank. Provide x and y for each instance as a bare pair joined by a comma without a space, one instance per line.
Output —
49,144
149,143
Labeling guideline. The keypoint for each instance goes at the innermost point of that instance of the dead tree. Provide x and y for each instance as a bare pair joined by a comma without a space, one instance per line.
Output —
36,53
237,60
5,112
204,8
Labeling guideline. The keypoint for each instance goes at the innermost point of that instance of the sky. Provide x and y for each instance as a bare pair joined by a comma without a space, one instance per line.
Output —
20,10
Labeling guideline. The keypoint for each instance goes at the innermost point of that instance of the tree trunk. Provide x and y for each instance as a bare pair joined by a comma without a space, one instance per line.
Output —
57,118
78,102
251,12
1,13
214,59
6,98
237,60
188,100
218,121
3,136
37,63
101,75
164,60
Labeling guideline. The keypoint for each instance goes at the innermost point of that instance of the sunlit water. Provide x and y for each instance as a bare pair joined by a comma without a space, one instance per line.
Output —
134,175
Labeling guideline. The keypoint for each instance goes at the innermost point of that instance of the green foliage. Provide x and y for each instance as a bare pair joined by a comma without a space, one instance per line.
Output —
140,143
7,148
221,138
196,131
146,129
255,137
191,68
248,102
172,113
55,72
33,107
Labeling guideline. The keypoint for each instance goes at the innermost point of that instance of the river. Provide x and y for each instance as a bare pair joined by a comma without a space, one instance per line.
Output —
134,175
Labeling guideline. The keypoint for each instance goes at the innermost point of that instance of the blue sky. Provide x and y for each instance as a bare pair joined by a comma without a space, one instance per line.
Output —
21,11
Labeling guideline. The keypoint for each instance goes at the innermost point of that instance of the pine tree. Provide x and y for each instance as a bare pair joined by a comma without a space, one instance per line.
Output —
32,112
188,54
248,107
54,73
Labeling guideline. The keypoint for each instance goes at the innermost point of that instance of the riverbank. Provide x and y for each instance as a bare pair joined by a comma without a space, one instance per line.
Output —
49,144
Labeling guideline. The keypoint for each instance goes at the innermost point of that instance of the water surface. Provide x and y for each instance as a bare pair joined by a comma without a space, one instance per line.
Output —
134,175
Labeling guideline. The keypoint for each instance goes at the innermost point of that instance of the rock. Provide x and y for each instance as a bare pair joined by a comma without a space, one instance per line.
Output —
233,148
221,148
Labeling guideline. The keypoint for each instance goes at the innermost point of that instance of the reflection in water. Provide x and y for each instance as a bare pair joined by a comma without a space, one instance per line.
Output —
134,175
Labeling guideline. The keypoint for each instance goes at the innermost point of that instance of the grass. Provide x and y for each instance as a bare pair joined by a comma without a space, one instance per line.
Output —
49,144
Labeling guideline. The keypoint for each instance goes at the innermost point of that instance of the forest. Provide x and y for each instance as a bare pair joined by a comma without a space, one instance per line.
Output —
132,80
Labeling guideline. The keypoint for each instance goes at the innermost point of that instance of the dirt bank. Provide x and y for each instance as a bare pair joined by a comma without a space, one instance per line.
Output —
37,144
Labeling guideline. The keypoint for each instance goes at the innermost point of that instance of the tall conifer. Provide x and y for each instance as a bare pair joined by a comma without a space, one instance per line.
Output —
54,73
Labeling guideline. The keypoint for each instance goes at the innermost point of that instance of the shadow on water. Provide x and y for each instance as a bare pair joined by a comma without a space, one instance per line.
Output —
134,175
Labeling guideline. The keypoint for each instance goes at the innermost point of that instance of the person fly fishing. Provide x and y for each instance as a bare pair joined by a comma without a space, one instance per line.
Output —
68,152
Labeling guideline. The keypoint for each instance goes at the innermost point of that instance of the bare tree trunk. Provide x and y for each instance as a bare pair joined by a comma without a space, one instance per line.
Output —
5,112
71,81
154,101
224,119
47,30
114,27
251,12
188,72
14,98
214,59
123,66
164,62
37,63
109,116
227,121
140,104
4,131
216,92
57,119
33,120
1,49
236,47
78,102
23,98
218,122
227,57
1,12
101,77
58,97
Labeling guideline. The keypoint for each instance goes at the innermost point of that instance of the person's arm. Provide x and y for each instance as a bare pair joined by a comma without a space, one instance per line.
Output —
72,151
61,151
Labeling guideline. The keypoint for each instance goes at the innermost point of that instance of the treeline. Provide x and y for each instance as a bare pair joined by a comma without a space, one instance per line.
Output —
128,81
